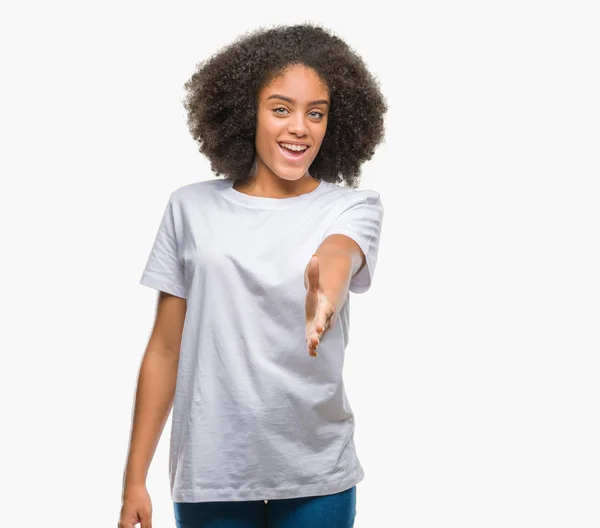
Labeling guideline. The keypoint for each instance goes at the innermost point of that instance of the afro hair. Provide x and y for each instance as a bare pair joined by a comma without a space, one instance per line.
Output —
221,100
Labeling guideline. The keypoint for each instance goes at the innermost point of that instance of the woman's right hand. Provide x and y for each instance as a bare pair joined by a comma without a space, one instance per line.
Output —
136,508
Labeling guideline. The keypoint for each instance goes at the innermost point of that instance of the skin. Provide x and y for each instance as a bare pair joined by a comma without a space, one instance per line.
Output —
327,274
280,120
154,399
301,116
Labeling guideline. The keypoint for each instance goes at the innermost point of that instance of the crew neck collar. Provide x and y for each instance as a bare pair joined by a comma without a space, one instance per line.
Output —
269,203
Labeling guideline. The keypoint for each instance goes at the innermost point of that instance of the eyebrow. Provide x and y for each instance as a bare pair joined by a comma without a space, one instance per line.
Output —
277,96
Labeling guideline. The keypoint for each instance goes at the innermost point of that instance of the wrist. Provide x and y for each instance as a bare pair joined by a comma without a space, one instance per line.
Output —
133,488
133,480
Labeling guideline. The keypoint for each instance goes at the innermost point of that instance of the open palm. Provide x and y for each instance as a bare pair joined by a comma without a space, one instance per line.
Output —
319,310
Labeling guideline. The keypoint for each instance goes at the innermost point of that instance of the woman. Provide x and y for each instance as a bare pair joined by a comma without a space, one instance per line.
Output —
253,271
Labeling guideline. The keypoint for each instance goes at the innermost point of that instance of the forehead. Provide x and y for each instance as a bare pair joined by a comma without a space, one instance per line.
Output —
300,83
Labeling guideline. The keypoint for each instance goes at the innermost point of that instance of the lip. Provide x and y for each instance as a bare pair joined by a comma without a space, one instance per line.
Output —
289,158
294,143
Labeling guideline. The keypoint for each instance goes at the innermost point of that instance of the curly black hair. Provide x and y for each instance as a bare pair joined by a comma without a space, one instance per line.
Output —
222,100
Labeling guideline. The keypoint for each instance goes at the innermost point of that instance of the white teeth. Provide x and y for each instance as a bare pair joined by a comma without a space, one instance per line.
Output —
294,147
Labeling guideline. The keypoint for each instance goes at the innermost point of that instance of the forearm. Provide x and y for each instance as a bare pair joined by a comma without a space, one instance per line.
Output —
153,402
336,268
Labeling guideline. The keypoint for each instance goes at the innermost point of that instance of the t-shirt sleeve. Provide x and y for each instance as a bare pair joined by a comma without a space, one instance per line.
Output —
361,220
164,269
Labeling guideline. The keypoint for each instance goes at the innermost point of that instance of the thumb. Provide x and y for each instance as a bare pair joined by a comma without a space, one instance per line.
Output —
313,273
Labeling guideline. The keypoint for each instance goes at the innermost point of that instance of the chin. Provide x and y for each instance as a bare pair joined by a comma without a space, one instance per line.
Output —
294,175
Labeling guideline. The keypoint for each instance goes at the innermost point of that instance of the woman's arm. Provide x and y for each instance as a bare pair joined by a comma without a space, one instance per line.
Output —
327,283
155,389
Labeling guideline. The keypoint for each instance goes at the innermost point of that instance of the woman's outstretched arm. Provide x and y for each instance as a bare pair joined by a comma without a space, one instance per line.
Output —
327,280
154,397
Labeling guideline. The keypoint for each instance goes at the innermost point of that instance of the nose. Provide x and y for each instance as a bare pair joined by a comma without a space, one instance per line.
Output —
297,125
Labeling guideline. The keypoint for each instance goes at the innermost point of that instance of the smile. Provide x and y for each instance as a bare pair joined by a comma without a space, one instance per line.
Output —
292,155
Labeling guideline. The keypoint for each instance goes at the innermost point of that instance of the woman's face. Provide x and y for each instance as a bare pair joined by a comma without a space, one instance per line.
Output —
293,108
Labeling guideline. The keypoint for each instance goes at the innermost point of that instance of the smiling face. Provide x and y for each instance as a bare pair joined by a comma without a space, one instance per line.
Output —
292,111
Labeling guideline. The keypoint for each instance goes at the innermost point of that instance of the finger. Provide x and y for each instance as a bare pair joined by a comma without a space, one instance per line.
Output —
327,319
321,328
128,521
321,321
146,521
312,345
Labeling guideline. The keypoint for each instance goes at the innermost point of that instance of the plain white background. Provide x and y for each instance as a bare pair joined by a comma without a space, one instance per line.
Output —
473,368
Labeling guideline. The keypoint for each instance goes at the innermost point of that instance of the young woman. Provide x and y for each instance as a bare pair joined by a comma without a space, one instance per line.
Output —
253,272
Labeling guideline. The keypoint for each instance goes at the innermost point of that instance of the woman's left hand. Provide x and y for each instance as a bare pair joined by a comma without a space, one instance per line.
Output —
319,310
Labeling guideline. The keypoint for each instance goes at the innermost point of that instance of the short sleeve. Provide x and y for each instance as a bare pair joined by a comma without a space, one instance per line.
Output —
361,220
164,270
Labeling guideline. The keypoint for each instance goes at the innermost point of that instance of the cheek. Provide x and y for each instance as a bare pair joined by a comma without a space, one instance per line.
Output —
319,134
267,133
268,125
263,132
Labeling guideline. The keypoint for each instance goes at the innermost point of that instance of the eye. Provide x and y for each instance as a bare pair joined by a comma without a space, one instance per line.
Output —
319,115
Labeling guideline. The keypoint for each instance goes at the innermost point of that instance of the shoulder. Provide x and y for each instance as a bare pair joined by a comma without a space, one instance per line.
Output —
348,197
196,191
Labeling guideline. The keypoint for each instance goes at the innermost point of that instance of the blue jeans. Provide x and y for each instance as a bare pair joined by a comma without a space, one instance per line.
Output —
322,511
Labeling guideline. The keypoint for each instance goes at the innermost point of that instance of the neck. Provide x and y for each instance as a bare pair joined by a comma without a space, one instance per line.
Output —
272,186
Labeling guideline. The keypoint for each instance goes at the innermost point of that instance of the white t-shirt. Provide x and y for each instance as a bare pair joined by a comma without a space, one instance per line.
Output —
255,417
